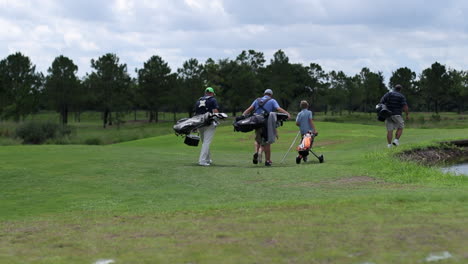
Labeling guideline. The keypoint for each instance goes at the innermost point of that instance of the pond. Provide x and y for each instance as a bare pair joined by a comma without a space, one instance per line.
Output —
459,169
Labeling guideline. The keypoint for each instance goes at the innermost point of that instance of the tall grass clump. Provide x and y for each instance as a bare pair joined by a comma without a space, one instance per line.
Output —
38,132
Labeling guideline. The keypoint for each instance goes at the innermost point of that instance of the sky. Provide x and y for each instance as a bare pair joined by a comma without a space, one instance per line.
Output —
340,35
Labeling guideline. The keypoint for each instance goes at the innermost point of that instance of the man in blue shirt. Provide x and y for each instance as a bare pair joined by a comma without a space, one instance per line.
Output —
206,104
396,103
263,105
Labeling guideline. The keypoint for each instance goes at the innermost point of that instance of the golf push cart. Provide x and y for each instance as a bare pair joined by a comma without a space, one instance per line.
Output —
305,147
187,127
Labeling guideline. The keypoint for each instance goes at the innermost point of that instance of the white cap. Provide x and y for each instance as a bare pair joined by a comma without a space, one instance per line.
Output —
268,91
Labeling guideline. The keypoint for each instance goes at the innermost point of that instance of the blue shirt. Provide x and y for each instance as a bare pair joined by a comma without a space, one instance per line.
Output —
270,106
303,119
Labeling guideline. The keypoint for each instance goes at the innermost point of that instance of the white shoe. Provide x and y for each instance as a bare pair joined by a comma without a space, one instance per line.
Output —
389,145
396,142
204,164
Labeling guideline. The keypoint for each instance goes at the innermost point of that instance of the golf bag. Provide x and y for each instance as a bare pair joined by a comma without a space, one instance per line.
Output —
185,126
249,123
306,144
305,147
382,112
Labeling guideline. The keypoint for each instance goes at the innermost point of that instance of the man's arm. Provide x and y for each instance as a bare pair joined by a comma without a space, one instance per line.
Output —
279,109
248,110
384,98
406,110
312,125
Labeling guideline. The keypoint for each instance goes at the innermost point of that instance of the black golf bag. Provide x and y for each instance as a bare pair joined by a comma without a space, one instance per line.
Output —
249,123
382,112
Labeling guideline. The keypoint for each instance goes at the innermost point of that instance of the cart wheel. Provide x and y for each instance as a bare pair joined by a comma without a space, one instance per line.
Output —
321,159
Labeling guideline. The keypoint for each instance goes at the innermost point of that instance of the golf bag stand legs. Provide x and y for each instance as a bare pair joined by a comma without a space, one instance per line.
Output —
320,158
292,144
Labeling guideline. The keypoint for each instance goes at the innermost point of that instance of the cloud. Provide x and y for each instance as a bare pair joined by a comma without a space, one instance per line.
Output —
339,35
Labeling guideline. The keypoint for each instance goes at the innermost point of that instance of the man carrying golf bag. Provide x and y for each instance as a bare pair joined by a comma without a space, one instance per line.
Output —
206,104
264,106
396,103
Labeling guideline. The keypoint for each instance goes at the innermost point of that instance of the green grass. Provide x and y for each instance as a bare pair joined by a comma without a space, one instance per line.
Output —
147,201
417,119
90,131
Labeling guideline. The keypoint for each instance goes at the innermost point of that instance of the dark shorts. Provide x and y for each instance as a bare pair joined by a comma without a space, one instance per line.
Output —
259,137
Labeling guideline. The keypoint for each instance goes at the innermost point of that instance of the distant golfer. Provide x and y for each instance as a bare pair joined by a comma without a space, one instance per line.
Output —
396,103
264,105
305,122
206,103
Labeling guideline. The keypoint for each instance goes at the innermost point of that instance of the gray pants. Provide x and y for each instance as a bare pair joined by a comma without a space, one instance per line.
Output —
206,136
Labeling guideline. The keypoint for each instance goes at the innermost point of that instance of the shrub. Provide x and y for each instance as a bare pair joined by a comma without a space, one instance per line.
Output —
36,132
435,117
332,119
93,141
421,119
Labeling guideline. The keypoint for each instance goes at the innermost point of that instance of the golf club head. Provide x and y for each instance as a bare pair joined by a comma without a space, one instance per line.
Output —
220,115
321,159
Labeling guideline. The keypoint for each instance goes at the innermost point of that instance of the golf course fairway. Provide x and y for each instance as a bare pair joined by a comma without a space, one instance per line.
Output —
148,201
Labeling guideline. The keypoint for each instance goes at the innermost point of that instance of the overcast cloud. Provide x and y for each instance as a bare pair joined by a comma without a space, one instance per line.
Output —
337,34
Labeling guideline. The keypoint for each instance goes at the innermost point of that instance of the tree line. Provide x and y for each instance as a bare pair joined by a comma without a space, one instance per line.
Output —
110,89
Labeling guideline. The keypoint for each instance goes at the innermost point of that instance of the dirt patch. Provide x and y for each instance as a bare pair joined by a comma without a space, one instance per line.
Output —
434,155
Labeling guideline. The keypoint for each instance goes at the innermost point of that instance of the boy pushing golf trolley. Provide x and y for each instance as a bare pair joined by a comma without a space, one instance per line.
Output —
308,131
306,146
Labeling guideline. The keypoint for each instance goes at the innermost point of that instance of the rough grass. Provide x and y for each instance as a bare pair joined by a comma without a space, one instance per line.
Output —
146,201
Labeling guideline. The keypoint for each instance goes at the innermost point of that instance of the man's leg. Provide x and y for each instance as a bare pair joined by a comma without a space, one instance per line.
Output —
260,154
201,158
389,136
207,134
400,124
398,133
267,149
258,147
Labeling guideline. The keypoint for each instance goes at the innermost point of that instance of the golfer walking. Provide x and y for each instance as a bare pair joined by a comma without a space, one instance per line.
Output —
396,103
206,104
264,105
304,119
305,122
